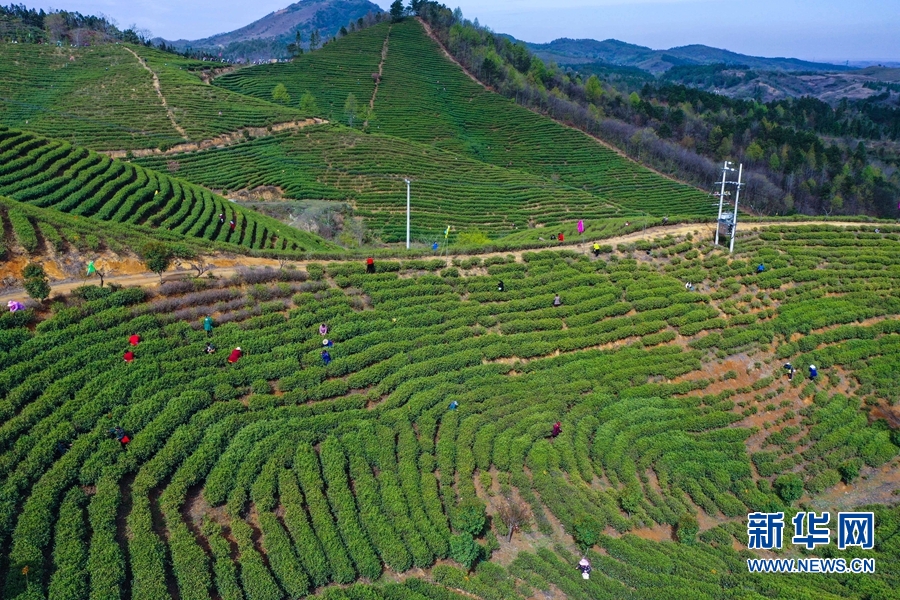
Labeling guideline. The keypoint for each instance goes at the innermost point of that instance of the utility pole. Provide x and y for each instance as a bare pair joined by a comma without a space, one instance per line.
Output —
737,196
407,213
725,169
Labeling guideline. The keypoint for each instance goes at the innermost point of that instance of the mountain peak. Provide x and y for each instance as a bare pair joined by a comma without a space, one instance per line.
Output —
279,27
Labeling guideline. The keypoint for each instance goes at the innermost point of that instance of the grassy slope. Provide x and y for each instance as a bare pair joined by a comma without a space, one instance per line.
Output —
426,98
332,162
102,98
205,111
647,426
330,73
54,174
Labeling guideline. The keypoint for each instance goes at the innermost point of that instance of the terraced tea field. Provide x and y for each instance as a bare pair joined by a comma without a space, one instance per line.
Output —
332,162
425,98
284,473
58,175
102,98
330,73
205,111
30,231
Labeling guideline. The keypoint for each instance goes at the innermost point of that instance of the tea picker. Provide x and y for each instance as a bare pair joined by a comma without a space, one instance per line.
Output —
585,567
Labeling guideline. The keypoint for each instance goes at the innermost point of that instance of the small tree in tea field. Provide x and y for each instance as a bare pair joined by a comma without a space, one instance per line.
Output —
157,256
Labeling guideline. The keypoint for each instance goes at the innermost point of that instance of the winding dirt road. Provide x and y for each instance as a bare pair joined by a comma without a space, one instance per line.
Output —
225,266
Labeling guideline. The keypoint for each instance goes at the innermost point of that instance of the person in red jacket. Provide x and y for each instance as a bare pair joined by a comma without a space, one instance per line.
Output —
561,237
129,356
134,340
235,355
557,429
370,265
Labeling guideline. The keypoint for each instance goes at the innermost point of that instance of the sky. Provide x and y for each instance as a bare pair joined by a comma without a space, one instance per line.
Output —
832,30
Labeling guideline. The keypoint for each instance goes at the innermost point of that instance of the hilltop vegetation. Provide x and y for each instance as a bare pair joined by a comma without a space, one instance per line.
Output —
281,474
314,21
23,25
426,98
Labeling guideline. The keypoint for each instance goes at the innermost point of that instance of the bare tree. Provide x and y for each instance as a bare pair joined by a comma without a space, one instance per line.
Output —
514,515
200,265
55,24
102,271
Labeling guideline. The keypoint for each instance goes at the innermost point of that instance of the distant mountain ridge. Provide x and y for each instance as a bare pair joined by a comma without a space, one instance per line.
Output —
566,51
267,37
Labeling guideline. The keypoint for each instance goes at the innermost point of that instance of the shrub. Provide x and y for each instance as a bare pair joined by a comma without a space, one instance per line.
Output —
470,516
225,391
36,283
687,529
586,531
260,386
464,550
789,487
92,292
157,257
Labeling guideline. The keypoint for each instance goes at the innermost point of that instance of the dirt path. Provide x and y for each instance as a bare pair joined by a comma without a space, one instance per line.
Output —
384,51
221,140
225,266
159,93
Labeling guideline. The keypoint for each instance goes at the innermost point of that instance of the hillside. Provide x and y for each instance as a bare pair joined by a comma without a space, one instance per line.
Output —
65,243
425,98
274,416
768,86
335,163
268,37
54,174
282,474
329,74
571,52
103,97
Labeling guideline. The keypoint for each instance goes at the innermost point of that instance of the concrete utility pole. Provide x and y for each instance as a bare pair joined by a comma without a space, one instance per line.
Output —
407,212
737,196
725,169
